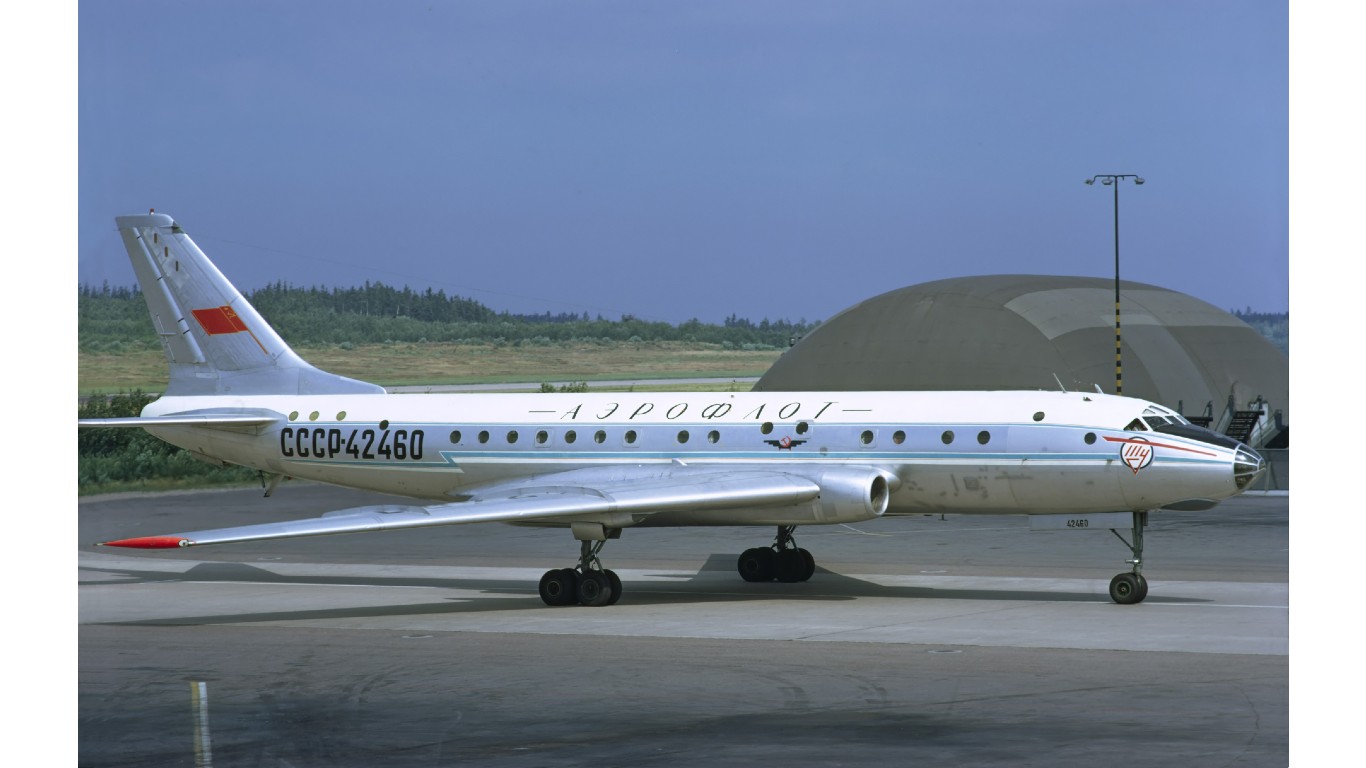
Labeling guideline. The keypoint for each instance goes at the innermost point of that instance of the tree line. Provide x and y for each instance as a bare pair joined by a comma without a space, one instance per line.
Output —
1275,326
377,313
109,460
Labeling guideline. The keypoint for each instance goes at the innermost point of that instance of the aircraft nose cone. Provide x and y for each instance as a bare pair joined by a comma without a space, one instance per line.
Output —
1248,465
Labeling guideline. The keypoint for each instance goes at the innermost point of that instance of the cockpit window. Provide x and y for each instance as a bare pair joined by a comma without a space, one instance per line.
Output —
1136,425
1157,416
1198,433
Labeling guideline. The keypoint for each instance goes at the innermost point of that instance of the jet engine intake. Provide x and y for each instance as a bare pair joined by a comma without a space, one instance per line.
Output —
851,494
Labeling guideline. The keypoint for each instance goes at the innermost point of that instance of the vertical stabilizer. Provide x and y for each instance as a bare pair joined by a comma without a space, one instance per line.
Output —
215,342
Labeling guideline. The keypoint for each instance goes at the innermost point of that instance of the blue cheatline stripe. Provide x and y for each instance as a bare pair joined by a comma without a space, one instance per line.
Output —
451,458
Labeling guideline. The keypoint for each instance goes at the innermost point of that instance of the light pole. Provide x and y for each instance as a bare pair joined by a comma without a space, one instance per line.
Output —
1112,180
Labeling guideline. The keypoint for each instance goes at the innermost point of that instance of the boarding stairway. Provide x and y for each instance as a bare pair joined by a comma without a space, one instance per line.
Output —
1255,424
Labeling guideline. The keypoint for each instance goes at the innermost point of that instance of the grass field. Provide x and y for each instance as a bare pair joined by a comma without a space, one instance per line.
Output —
434,363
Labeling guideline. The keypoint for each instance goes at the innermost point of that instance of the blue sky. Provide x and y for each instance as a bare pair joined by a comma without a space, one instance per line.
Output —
678,160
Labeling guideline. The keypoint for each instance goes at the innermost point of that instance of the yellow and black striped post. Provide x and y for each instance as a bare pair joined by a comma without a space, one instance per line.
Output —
1112,180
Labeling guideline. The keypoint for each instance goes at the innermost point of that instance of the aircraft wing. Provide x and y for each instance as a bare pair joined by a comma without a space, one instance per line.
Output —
626,494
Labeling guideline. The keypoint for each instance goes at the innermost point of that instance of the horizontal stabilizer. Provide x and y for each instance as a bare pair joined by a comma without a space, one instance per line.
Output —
195,419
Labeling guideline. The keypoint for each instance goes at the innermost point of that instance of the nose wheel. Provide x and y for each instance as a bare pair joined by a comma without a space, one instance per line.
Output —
1130,588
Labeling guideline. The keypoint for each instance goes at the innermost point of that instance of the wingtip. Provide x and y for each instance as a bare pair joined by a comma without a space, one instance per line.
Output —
149,542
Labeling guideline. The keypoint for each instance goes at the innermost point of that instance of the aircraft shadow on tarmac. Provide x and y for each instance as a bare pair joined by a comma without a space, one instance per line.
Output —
707,585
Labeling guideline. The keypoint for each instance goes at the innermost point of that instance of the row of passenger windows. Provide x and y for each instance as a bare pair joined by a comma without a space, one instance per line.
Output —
630,436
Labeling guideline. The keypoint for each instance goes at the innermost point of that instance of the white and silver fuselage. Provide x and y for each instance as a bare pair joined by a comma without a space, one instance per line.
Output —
961,452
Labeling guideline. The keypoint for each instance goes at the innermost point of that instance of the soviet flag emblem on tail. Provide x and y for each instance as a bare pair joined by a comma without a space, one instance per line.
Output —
219,320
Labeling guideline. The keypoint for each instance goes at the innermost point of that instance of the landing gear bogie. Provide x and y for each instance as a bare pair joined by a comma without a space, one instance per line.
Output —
784,561
589,584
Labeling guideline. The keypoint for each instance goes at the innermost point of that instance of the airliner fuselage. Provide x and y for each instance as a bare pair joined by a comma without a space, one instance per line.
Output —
964,452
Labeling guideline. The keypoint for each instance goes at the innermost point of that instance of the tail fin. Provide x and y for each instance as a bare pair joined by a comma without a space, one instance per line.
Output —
215,342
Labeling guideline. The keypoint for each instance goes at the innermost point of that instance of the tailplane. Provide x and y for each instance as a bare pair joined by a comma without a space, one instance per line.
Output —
215,342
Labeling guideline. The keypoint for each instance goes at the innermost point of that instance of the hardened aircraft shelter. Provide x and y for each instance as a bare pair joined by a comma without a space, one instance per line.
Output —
1050,332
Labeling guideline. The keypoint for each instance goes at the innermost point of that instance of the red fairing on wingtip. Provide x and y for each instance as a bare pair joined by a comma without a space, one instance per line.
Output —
150,542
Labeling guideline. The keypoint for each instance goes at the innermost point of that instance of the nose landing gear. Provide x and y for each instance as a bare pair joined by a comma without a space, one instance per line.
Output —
1130,588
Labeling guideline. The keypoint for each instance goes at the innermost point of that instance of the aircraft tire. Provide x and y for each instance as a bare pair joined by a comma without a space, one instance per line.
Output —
756,564
808,565
1128,588
616,587
790,566
595,589
559,587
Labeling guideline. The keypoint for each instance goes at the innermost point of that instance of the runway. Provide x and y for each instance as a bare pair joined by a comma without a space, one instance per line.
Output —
953,641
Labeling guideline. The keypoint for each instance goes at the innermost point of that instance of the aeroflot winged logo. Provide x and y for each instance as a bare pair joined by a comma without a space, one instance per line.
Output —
1136,454
785,444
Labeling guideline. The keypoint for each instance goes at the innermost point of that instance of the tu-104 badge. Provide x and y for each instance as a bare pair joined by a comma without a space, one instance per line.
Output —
1136,454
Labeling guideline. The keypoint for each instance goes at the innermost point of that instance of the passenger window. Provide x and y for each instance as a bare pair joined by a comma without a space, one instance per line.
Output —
984,437
898,437
570,437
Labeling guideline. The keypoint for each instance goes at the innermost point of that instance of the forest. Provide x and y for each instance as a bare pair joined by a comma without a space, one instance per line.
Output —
376,313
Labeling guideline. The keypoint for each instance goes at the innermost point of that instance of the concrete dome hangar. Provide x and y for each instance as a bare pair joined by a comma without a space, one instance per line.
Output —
1043,332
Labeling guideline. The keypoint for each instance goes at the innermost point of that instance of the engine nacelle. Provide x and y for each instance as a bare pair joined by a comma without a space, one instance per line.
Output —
850,494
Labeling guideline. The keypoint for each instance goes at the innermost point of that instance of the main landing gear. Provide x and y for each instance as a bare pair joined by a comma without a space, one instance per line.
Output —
1130,588
588,584
783,561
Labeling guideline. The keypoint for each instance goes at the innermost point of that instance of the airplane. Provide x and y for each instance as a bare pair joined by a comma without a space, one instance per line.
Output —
597,464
